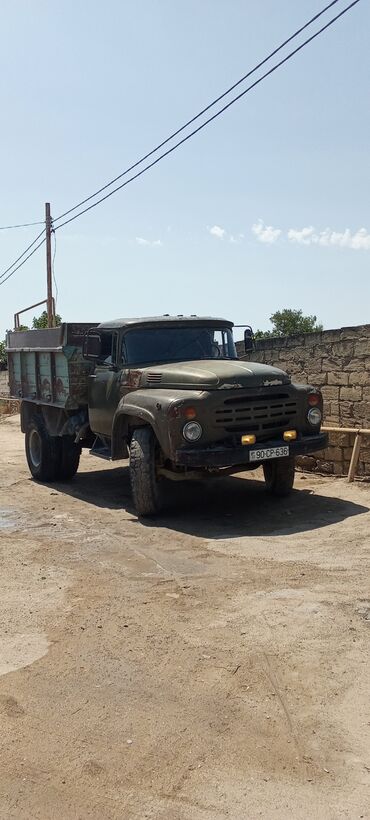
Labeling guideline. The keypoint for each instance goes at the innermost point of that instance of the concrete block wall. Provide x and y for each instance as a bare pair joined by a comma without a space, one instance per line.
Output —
338,362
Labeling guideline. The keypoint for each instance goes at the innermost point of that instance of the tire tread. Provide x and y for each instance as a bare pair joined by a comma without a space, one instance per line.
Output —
70,458
279,476
144,484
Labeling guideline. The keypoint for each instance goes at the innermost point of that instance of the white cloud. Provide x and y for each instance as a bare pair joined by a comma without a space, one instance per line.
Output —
302,237
265,233
217,231
360,240
153,243
221,233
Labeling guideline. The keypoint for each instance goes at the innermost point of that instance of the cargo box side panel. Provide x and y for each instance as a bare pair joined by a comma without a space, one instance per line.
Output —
47,366
29,375
62,388
49,338
78,371
15,376
45,377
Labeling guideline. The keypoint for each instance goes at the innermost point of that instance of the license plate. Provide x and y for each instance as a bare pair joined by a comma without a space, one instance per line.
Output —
268,452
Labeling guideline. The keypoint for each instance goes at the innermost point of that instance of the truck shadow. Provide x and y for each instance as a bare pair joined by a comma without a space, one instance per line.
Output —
225,507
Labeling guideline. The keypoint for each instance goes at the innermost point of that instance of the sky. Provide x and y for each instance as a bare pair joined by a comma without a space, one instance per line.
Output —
266,208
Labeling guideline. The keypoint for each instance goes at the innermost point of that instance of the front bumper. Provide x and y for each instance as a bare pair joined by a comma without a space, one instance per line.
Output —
224,456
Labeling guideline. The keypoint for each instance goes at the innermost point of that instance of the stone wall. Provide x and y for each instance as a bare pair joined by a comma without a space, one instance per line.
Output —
338,362
4,387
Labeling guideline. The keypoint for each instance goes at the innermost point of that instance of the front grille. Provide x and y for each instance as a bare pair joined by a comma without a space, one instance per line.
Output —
256,414
154,378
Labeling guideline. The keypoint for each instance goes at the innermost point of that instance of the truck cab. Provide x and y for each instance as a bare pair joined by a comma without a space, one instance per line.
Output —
174,390
128,352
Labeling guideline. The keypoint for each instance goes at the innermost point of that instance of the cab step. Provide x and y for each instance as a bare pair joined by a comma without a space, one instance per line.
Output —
100,449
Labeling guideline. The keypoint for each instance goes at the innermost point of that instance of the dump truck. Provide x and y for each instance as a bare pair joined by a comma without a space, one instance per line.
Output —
169,393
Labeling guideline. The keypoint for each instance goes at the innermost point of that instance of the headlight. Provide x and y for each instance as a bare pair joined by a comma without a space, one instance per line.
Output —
192,431
314,416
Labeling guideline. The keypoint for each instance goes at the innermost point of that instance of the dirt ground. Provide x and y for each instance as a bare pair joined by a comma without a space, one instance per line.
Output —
211,665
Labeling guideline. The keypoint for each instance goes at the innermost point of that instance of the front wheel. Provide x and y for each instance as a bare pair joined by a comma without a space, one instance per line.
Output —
279,475
145,486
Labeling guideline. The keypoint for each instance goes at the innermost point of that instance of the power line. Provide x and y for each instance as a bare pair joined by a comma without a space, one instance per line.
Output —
24,225
53,267
24,261
188,136
210,119
21,255
196,117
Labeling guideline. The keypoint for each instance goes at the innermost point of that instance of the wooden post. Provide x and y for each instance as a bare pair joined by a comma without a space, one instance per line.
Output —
354,457
48,266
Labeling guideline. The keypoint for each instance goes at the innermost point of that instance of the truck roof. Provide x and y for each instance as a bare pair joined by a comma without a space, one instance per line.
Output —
172,321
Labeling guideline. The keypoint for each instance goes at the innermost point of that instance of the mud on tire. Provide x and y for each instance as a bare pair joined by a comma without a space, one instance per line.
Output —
279,476
145,487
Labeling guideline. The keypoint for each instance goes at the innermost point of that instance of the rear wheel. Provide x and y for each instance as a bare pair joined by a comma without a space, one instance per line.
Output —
145,486
279,475
70,458
43,451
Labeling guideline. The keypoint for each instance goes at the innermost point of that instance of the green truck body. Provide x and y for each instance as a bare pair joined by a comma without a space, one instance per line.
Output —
169,392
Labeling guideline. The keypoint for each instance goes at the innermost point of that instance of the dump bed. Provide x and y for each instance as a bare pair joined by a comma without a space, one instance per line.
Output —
46,366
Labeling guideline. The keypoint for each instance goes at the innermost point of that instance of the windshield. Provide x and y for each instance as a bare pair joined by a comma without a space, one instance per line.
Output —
177,344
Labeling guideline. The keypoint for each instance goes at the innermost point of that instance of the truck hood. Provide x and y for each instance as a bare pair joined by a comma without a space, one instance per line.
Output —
213,374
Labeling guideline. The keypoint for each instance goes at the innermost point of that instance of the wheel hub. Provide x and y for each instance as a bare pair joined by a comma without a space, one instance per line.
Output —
35,448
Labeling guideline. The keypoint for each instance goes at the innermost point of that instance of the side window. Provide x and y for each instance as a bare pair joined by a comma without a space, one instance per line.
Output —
114,348
123,356
108,348
219,346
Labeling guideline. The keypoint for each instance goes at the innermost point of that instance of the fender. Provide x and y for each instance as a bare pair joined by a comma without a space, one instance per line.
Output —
55,418
123,419
145,406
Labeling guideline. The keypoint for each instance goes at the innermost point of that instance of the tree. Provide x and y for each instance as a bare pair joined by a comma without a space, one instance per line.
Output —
41,321
286,322
3,357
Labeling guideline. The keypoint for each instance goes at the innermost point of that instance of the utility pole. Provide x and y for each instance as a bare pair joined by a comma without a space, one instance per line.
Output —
48,266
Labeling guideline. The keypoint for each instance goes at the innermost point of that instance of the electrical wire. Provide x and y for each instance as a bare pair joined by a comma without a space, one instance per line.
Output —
184,139
53,267
210,119
24,225
200,113
22,254
24,261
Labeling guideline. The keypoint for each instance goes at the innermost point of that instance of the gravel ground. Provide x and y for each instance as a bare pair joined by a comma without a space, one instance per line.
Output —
213,664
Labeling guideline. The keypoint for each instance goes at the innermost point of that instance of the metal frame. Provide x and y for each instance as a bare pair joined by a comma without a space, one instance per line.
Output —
358,432
17,323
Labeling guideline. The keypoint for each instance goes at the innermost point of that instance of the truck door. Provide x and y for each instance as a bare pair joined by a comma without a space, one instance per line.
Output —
103,389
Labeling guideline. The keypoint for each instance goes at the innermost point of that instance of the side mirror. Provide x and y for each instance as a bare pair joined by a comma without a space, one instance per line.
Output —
92,346
248,339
